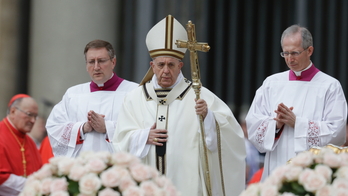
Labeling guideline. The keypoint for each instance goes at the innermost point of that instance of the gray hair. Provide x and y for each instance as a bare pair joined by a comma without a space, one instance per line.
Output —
14,104
306,36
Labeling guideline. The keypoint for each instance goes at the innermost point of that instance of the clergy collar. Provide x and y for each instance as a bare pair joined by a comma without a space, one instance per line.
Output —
110,85
14,129
304,75
157,86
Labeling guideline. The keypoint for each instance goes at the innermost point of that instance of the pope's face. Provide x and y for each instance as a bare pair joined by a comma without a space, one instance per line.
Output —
99,65
166,69
23,116
293,43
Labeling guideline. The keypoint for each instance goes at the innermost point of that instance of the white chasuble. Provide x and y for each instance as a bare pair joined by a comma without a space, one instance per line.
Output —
182,162
68,116
320,109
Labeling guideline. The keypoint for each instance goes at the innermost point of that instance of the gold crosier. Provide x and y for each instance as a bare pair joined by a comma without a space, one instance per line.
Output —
193,46
22,150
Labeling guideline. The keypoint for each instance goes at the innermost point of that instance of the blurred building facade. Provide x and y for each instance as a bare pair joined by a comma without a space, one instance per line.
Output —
42,42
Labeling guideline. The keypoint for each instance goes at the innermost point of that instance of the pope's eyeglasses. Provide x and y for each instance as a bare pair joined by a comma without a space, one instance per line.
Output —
99,62
30,115
292,53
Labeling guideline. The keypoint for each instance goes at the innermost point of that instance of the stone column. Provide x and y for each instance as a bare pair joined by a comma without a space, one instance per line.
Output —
59,32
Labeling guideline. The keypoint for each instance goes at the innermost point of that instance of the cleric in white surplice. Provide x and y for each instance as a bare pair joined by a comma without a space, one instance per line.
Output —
86,117
163,110
296,109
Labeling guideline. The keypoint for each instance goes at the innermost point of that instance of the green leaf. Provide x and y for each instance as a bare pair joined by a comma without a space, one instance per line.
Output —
73,187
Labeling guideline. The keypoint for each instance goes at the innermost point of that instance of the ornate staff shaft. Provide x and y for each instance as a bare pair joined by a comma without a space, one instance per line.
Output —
193,47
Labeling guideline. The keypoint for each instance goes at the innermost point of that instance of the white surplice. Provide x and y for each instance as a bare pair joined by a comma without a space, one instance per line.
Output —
138,114
67,117
321,112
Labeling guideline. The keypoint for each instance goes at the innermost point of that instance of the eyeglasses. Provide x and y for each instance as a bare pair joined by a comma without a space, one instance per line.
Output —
30,115
293,53
99,62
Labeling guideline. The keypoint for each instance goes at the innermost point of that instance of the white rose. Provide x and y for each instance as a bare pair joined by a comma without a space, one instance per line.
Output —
293,173
149,188
273,181
126,182
46,186
287,194
77,171
65,165
269,191
124,159
110,178
344,159
28,191
133,191
302,179
108,192
327,190
59,184
44,172
332,160
60,193
123,172
89,184
279,172
54,163
252,190
104,156
314,182
161,181
340,183
324,171
140,172
342,172
96,165
341,192
303,159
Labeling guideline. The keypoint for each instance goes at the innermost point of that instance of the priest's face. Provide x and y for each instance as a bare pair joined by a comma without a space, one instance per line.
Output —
99,65
23,115
166,69
292,43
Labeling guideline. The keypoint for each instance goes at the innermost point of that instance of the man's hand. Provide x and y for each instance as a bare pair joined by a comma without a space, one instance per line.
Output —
201,108
285,116
96,121
156,136
87,128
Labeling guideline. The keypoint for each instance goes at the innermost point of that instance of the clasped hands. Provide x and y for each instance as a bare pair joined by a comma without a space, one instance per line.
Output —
95,122
156,136
285,116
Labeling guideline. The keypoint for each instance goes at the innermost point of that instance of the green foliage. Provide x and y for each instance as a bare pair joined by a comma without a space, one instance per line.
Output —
295,188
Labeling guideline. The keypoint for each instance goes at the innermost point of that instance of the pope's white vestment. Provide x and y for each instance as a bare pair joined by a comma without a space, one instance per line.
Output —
224,139
68,116
320,108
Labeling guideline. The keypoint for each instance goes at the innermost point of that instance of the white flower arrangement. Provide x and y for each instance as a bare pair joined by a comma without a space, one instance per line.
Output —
101,173
307,174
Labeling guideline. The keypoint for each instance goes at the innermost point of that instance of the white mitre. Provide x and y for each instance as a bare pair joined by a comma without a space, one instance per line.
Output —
160,41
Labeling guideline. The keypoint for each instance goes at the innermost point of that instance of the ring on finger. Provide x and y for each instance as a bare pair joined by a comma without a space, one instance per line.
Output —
155,140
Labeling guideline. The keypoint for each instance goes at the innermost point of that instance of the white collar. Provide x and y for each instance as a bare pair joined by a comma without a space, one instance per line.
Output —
101,85
298,73
156,85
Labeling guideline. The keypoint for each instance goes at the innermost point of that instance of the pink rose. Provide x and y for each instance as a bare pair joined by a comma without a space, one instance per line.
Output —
77,171
324,171
325,191
124,159
252,190
303,178
342,172
344,158
332,160
303,159
127,182
59,184
46,186
340,183
96,165
161,181
65,165
171,190
149,188
104,156
314,182
341,192
123,172
279,172
269,191
89,184
272,180
140,172
108,192
293,173
133,191
44,172
60,193
110,178
160,192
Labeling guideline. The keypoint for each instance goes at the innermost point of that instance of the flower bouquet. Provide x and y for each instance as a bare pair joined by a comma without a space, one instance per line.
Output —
101,173
307,174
